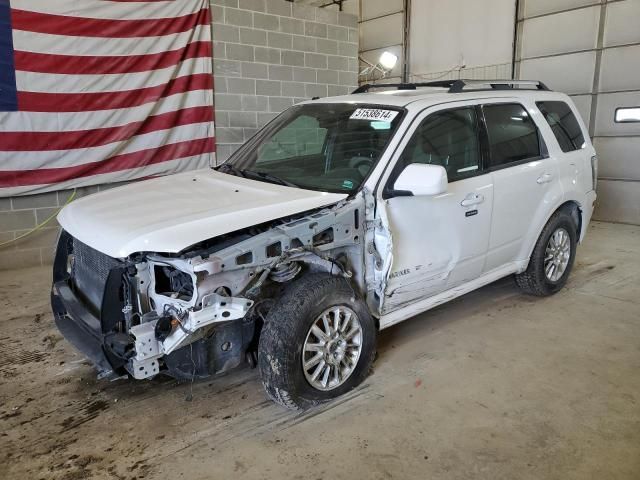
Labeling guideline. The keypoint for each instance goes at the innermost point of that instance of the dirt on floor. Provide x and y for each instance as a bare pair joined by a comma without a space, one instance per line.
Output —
494,385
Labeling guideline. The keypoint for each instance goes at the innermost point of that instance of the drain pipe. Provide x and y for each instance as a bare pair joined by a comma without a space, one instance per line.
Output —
515,41
405,40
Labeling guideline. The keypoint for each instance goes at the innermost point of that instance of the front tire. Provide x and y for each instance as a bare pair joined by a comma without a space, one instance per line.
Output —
552,258
318,342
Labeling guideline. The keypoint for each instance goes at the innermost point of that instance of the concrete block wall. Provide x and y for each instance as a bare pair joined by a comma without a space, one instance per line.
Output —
271,54
19,215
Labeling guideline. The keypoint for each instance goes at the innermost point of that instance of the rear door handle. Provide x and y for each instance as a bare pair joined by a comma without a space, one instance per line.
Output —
472,199
544,178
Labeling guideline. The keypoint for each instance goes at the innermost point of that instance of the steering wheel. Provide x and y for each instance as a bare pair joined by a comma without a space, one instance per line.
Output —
363,158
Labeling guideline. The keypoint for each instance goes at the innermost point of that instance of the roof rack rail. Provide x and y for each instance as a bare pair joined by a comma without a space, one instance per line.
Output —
457,86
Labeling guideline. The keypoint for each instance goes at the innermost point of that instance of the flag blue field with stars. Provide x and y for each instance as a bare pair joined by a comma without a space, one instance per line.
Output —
8,93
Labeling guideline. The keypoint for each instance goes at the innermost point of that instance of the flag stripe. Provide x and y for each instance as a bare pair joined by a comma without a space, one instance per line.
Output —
67,158
79,102
114,82
117,163
72,121
31,21
45,141
194,162
119,47
108,9
93,65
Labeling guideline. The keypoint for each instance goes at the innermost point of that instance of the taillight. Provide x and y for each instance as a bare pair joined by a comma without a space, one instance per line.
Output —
594,171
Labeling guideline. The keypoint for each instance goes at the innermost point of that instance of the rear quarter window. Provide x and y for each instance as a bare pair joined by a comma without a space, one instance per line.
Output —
564,125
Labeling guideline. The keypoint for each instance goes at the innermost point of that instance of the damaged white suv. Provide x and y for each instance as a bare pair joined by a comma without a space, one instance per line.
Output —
341,217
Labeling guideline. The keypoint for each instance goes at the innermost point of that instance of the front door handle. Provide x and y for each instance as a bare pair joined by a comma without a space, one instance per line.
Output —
472,199
544,178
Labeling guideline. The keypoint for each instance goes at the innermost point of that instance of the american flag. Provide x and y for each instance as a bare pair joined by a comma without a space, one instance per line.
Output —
99,91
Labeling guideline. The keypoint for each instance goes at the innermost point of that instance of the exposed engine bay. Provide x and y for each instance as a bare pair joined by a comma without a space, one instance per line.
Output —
200,312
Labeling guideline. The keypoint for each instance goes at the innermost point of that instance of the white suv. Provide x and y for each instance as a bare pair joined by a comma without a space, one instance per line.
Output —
341,217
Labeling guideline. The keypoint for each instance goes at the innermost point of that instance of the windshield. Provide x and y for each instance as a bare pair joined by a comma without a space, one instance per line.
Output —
327,147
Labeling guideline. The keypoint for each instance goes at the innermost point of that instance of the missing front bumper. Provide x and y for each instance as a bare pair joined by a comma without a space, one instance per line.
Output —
190,327
82,329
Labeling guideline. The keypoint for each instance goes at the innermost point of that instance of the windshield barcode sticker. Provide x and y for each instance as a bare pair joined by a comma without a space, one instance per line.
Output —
373,114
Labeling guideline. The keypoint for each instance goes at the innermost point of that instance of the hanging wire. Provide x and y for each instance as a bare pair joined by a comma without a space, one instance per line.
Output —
40,225
443,74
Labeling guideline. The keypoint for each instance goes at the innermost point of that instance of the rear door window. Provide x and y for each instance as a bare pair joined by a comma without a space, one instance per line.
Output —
564,125
513,136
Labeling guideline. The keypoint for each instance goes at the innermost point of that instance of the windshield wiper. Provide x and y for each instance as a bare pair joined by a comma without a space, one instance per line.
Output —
269,178
231,169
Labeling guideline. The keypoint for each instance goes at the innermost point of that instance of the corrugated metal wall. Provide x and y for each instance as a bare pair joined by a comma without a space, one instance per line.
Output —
381,27
446,39
591,50
461,39
442,36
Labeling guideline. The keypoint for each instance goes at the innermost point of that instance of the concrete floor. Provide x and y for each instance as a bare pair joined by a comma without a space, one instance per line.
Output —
494,385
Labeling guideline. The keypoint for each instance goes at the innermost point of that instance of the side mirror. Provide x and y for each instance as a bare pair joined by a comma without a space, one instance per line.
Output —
422,179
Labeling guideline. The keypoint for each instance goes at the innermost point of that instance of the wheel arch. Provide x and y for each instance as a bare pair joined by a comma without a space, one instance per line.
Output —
571,207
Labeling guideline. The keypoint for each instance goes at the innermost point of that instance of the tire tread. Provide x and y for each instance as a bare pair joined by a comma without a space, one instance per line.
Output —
532,281
279,331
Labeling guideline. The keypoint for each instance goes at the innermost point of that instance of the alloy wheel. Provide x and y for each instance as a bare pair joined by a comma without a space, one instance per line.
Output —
557,254
332,348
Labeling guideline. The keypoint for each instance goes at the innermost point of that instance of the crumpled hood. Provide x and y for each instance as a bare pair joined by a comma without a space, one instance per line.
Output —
171,213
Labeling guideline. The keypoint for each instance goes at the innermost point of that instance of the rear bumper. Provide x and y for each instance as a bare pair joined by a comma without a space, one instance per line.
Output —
80,327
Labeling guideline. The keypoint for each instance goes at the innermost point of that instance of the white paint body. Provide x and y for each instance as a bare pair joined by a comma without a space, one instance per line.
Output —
427,249
422,179
457,254
171,213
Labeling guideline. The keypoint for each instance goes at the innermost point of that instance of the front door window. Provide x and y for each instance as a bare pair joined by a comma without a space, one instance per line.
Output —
448,138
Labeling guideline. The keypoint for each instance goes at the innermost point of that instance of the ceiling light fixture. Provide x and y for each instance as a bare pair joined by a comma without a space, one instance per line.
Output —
386,62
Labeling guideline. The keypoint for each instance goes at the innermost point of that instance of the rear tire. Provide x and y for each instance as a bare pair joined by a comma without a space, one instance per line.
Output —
552,258
288,340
